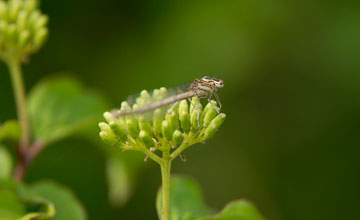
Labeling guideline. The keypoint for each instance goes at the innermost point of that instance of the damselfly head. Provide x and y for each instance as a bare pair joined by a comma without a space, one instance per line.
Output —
219,83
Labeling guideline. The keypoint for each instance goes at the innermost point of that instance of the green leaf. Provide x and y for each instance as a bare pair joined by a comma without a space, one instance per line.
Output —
6,163
11,207
10,130
186,200
14,205
60,106
237,210
66,204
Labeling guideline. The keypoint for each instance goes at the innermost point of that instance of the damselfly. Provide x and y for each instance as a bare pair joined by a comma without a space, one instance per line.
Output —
205,87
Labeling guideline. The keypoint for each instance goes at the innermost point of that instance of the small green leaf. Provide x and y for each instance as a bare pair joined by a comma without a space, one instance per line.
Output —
60,106
11,206
15,204
10,130
6,163
237,210
186,200
66,204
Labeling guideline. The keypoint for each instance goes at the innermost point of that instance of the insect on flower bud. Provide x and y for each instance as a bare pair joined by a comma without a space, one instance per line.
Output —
214,126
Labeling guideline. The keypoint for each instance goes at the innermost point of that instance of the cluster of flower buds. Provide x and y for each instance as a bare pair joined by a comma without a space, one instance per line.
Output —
174,126
23,28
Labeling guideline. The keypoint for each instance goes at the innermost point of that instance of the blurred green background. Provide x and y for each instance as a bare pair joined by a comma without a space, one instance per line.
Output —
290,143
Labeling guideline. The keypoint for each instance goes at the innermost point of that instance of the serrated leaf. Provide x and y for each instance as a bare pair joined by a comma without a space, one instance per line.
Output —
60,106
10,130
237,210
186,200
6,163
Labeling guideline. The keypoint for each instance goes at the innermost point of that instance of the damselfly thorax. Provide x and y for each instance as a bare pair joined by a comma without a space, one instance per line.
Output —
205,87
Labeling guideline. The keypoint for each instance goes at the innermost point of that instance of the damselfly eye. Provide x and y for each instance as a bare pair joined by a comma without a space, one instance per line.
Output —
220,83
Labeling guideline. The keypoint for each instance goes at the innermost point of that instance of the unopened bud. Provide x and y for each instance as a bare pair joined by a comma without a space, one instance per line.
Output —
40,37
167,130
118,130
132,127
178,138
184,115
214,126
108,138
24,38
209,115
146,139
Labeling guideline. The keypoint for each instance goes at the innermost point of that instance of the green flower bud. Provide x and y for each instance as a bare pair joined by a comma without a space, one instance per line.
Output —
33,17
209,115
11,33
173,118
146,139
193,104
109,139
118,130
21,21
196,117
177,138
30,5
209,106
167,130
41,22
145,125
24,38
157,121
40,37
108,116
184,115
132,127
125,107
14,8
3,26
3,10
104,127
145,95
214,126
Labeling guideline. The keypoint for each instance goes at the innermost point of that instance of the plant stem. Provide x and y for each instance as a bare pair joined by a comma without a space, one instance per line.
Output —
14,66
165,175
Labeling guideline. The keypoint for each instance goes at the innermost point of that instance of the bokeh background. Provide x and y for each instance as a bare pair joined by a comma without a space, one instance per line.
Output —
290,143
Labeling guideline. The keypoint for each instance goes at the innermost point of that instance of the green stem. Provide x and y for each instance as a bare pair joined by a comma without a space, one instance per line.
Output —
19,91
165,175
